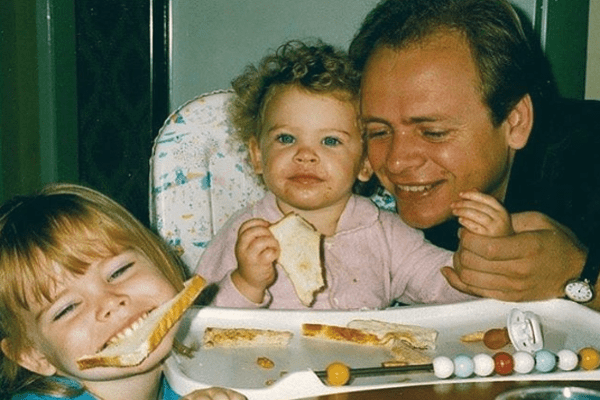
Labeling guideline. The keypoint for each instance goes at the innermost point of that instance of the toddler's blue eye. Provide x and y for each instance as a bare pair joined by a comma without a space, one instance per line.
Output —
285,138
331,141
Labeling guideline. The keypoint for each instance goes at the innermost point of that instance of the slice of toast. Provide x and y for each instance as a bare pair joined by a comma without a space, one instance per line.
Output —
245,337
300,255
417,337
135,346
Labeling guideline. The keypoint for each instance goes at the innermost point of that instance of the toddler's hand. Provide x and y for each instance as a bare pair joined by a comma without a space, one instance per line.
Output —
256,250
482,214
214,393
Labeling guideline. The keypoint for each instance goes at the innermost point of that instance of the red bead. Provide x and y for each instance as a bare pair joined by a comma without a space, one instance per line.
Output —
504,363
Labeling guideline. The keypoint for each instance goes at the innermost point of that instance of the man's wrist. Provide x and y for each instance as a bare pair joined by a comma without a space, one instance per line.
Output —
583,288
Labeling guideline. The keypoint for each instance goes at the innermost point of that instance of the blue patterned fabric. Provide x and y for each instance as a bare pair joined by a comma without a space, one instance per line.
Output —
167,393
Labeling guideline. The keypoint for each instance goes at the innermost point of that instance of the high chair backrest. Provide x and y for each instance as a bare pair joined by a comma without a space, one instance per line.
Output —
199,175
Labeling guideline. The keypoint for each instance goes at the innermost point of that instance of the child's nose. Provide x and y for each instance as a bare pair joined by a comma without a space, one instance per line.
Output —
112,304
306,155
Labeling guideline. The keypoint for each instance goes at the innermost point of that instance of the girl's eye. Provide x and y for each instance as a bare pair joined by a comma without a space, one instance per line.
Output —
120,271
285,138
64,311
331,141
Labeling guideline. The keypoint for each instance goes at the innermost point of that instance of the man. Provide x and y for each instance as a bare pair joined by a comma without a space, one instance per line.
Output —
454,98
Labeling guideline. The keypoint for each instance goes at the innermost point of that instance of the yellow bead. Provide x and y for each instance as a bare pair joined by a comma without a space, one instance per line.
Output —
338,374
590,358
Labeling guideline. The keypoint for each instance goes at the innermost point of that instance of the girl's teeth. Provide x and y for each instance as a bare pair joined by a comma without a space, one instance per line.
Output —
129,330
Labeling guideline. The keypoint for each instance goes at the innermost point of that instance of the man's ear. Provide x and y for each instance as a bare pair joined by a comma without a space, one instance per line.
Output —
365,172
520,123
30,359
255,155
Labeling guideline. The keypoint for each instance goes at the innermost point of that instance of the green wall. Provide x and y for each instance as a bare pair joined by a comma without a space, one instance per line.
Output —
212,40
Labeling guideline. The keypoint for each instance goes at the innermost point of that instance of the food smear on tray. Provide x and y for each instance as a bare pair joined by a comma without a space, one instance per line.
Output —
245,337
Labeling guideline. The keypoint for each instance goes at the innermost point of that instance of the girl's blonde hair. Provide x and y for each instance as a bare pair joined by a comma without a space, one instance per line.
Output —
313,66
68,226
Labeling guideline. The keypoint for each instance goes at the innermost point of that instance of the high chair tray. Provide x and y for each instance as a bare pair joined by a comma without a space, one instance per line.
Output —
565,325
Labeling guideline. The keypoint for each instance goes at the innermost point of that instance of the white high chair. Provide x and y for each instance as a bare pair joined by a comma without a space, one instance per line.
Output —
199,175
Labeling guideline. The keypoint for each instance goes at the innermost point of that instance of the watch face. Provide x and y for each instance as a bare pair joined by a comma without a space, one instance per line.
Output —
579,291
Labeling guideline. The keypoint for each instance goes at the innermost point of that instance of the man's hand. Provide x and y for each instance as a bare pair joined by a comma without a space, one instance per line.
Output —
256,251
532,264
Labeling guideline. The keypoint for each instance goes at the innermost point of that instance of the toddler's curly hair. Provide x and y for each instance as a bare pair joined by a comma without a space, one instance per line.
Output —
316,66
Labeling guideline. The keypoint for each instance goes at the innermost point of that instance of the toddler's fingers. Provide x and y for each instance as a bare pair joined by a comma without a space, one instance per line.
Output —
473,226
253,234
475,214
252,223
482,198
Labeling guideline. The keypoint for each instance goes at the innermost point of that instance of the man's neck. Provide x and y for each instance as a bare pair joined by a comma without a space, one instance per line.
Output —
444,235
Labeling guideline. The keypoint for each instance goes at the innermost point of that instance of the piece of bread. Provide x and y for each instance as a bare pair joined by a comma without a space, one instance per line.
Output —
340,334
245,337
399,339
410,356
300,255
415,336
137,344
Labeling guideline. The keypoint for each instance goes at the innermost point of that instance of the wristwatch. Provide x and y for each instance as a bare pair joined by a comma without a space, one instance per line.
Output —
582,289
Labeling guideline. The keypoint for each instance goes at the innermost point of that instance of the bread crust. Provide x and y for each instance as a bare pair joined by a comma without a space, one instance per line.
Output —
171,312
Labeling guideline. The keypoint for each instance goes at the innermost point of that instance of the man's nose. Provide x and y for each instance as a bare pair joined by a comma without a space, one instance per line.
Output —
404,153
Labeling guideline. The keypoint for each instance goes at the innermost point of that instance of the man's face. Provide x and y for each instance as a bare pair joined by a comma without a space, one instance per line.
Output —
429,133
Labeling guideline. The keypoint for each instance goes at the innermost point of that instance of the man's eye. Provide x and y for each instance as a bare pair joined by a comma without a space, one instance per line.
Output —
374,134
120,271
435,134
285,138
331,141
64,311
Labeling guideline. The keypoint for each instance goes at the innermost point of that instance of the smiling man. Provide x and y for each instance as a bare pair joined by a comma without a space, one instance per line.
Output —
453,99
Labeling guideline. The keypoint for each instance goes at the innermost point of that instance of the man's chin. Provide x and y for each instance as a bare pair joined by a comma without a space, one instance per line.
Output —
423,221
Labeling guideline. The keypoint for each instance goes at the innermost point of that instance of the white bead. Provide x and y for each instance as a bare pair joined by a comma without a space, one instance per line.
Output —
567,360
443,367
484,364
524,362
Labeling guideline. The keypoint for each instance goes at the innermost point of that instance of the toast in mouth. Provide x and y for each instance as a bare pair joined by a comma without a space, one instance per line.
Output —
134,345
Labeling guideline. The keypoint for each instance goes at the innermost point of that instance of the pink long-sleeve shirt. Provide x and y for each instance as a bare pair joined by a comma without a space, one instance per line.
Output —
371,260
